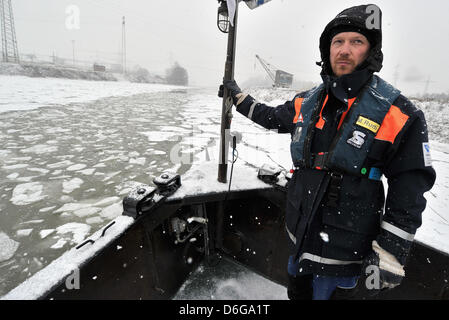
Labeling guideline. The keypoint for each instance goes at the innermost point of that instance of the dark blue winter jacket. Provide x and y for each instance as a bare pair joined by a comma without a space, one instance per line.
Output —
334,214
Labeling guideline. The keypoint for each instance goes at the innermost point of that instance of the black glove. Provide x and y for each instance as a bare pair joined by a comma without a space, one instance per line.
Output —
381,271
233,88
387,279
375,278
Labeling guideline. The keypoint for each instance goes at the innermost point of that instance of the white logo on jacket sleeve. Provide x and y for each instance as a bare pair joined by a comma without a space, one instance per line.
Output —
357,139
426,154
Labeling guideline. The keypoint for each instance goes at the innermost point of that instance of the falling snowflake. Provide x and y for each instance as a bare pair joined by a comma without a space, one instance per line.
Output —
324,236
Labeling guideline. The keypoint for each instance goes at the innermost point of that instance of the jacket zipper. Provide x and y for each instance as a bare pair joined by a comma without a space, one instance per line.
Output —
345,121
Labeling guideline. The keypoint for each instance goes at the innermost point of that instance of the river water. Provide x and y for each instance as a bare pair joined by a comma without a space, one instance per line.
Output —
65,167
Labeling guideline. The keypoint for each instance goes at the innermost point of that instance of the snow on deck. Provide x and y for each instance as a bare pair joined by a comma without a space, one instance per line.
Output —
202,178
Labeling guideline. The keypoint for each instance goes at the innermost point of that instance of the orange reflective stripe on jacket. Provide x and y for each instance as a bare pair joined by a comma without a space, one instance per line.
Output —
298,104
321,122
350,103
392,124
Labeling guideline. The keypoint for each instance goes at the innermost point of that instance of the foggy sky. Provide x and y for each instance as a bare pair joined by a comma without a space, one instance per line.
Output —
283,32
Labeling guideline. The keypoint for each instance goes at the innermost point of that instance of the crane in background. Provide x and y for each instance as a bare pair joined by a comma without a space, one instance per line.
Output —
280,78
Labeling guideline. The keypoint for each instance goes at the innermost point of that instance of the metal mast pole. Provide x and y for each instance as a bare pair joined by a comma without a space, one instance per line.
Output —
226,115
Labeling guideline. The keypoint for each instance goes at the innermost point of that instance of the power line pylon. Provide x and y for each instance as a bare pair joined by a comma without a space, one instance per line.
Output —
10,52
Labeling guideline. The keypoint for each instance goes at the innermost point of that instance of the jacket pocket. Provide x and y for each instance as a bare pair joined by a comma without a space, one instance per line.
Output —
360,206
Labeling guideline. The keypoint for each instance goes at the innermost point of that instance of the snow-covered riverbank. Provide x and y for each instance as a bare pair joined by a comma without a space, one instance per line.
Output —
24,93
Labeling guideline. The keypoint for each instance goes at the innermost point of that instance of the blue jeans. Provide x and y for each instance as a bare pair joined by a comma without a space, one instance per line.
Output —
324,286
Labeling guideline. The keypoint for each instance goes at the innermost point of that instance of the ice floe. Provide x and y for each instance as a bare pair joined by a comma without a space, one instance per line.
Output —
112,211
158,136
79,231
87,172
13,176
15,166
7,247
36,221
46,209
84,212
40,170
71,185
40,149
27,193
46,232
24,232
72,207
106,201
60,164
141,161
94,220
59,244
76,167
